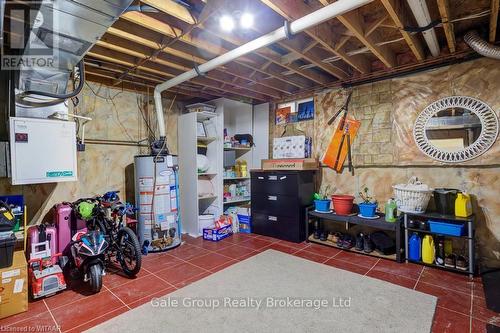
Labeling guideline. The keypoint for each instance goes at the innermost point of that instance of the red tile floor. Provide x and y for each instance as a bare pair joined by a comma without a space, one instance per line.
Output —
461,305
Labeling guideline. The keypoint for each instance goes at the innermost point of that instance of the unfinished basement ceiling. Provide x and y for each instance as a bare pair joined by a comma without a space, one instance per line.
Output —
143,49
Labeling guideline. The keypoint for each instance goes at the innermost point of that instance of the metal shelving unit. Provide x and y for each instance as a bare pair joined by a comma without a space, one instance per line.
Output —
469,237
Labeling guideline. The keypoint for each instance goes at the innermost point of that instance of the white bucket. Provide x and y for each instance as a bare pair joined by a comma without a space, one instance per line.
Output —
205,221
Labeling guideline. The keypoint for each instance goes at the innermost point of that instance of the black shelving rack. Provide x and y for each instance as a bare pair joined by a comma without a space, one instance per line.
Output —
469,237
378,223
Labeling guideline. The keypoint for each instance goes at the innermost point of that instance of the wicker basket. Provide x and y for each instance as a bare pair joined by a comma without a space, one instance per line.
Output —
412,197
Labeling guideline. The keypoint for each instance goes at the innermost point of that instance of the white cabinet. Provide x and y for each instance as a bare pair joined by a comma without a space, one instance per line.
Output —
42,151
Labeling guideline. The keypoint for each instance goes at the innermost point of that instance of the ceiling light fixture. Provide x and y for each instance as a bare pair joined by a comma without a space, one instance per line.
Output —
226,23
246,20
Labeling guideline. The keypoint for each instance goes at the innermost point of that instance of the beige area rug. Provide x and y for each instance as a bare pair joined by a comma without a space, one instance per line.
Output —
277,292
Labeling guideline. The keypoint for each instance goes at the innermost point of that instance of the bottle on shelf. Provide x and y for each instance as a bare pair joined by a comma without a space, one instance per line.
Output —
428,250
440,252
391,210
463,205
414,247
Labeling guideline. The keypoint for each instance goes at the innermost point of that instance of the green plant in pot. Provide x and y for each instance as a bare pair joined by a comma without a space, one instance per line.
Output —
368,206
322,201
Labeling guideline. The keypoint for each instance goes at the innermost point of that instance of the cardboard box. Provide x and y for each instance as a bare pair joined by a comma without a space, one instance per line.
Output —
291,164
14,287
299,146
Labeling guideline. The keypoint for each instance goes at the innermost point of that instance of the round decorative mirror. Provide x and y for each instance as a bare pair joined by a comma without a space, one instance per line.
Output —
456,129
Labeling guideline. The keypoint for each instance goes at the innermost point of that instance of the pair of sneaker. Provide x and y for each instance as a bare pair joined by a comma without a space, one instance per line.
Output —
346,242
364,243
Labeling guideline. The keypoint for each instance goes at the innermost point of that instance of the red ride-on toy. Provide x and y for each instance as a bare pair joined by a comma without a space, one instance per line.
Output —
46,277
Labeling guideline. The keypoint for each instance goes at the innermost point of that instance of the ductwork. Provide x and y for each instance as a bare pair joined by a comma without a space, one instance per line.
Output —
319,16
481,46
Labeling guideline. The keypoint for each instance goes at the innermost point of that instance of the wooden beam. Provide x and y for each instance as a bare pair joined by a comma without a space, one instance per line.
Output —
172,8
272,56
152,25
393,7
374,25
495,4
292,10
353,21
116,37
444,11
158,69
143,52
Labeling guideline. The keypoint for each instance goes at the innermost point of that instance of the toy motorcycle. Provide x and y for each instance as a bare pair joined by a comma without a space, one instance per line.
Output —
88,249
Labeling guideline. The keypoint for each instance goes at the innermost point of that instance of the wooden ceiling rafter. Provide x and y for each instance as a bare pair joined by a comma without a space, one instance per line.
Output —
395,11
242,71
495,6
172,11
270,55
444,11
140,51
153,67
162,28
321,33
354,23
136,52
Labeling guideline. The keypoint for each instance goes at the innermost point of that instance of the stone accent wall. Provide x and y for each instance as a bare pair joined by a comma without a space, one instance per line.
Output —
384,150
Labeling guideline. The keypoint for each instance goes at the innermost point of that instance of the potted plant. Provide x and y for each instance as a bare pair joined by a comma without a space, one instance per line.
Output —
321,201
368,207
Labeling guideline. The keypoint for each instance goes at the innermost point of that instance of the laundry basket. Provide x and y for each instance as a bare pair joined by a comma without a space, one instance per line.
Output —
412,197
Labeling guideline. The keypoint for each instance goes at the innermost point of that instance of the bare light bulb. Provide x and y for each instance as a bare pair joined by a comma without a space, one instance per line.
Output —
246,20
226,23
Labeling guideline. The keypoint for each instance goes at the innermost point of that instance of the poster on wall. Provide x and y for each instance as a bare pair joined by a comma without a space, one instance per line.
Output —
305,109
284,113
295,111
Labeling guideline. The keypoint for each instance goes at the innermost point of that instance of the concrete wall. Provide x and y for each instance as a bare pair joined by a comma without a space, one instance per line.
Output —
101,168
384,150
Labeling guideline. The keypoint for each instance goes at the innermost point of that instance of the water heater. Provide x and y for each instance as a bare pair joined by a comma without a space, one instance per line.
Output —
156,192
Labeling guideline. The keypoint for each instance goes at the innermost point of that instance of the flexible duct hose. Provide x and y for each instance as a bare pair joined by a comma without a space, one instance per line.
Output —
481,46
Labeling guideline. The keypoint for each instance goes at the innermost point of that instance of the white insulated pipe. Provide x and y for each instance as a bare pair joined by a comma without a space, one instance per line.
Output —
423,17
319,16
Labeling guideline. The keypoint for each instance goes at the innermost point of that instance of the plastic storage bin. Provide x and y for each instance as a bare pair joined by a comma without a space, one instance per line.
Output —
216,234
443,228
7,250
245,223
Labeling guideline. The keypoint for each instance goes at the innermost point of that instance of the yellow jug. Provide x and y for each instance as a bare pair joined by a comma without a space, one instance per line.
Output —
428,250
463,205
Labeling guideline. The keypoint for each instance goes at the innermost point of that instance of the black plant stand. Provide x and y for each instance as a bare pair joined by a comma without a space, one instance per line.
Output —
379,224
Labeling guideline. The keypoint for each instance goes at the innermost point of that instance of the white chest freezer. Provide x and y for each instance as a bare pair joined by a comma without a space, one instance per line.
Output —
42,151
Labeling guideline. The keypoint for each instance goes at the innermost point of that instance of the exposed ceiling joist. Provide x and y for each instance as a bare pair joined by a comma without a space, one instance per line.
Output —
158,69
322,33
354,23
444,11
272,56
495,6
172,8
393,7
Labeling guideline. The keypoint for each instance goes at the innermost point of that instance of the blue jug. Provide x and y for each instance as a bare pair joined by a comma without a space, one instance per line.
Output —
414,247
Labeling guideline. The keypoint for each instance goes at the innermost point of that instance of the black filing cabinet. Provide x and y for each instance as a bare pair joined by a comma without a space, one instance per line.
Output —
279,199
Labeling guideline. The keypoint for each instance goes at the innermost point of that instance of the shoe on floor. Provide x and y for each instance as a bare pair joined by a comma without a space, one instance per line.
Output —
324,236
348,242
367,244
359,242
